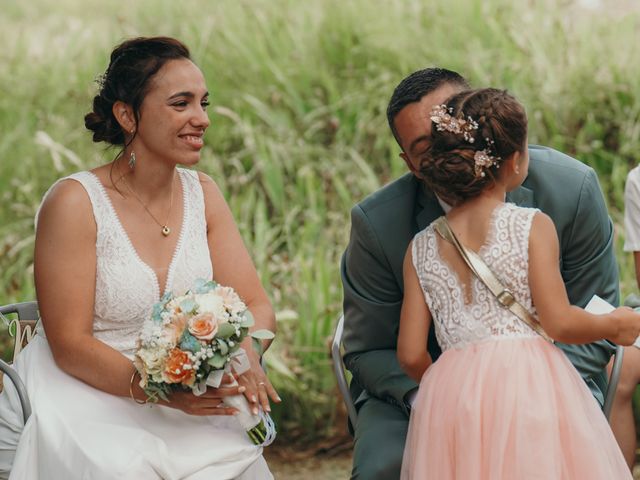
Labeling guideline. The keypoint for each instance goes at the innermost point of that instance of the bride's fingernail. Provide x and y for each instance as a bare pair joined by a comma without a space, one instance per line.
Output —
242,389
268,409
255,410
253,398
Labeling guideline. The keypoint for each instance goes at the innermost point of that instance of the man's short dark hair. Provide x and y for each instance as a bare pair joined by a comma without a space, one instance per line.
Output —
416,86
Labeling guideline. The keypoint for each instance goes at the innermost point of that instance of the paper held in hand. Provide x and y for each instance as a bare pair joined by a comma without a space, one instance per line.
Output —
598,305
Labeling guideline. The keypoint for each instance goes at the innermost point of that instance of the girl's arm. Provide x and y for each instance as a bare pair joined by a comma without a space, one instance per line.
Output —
561,320
415,320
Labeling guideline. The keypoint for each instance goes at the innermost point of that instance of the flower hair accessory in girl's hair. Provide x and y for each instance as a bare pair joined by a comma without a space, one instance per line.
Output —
482,160
445,122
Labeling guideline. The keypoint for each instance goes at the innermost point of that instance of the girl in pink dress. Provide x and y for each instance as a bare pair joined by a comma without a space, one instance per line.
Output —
501,402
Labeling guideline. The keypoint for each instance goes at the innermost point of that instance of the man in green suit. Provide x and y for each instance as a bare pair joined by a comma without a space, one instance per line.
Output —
383,224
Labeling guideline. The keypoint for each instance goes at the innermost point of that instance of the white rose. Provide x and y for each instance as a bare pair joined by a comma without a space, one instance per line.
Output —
153,359
231,299
210,302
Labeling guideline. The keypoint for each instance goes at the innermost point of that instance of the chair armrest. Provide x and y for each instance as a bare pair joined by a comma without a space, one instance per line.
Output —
20,388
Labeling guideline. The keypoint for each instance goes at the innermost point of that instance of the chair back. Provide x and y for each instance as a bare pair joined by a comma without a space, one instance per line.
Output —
20,319
21,328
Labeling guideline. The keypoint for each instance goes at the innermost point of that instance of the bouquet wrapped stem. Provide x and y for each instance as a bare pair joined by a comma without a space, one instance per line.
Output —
259,427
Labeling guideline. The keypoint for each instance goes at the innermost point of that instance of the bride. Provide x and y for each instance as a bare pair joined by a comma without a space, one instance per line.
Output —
109,243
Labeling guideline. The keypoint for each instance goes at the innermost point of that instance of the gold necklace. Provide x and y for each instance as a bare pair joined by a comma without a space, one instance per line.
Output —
165,227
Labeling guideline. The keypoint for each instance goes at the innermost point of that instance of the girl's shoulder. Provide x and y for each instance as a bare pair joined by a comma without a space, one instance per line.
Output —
518,213
517,222
518,210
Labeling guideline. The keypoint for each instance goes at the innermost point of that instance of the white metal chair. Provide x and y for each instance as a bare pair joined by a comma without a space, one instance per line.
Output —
21,328
339,370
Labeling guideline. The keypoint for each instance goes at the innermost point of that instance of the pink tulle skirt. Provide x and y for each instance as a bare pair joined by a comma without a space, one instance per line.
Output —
508,409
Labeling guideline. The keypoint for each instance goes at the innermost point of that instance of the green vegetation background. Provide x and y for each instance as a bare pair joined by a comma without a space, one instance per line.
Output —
299,134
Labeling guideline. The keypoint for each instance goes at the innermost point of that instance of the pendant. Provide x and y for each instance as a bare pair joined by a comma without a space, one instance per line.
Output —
166,231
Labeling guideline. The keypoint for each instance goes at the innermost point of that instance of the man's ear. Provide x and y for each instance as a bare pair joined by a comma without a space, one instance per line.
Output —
410,166
124,115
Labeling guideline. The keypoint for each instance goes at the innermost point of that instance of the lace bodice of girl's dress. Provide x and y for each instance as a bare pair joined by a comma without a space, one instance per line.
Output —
126,287
506,251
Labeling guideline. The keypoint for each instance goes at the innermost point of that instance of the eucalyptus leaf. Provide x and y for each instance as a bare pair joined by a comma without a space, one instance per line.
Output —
223,347
163,395
263,334
189,342
248,320
217,361
257,346
225,330
188,305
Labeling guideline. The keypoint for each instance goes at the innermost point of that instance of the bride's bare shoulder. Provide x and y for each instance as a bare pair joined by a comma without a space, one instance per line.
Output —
66,204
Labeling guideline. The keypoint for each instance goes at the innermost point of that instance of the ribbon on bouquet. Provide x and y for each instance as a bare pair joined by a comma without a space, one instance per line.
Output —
260,427
238,363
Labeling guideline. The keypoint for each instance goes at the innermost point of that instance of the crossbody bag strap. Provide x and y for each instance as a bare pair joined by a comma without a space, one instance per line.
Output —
486,276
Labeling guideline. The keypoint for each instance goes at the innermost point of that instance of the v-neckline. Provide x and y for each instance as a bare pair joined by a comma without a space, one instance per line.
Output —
169,280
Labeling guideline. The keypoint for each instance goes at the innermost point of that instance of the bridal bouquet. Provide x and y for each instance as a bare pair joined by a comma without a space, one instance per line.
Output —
192,341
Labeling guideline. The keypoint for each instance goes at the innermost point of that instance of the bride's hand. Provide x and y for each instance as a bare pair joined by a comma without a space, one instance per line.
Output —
209,403
258,387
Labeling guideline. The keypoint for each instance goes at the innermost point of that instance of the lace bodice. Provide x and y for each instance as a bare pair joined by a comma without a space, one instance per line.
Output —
126,287
506,251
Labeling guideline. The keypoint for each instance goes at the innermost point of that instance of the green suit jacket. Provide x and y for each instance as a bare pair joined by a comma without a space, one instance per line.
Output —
384,223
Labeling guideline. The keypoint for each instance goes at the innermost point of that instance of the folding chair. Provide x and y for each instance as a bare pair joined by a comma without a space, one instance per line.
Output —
614,378
339,370
22,329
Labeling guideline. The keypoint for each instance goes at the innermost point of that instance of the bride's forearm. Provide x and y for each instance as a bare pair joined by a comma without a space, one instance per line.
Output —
96,364
264,320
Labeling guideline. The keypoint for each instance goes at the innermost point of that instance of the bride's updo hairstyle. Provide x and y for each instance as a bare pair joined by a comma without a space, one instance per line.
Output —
471,136
132,65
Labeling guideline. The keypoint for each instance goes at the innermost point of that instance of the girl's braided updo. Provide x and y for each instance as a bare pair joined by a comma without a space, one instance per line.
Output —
471,136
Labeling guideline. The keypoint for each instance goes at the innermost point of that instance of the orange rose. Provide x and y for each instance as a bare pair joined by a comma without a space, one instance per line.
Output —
175,371
203,326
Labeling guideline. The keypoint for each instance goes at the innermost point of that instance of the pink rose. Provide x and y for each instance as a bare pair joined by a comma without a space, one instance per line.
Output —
203,326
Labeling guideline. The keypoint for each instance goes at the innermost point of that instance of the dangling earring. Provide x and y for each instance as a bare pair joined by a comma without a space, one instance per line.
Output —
132,157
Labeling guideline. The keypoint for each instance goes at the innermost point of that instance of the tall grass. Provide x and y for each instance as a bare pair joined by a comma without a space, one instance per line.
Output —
298,129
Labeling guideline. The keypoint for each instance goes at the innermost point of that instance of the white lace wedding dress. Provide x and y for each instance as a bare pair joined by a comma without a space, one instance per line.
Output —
79,432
